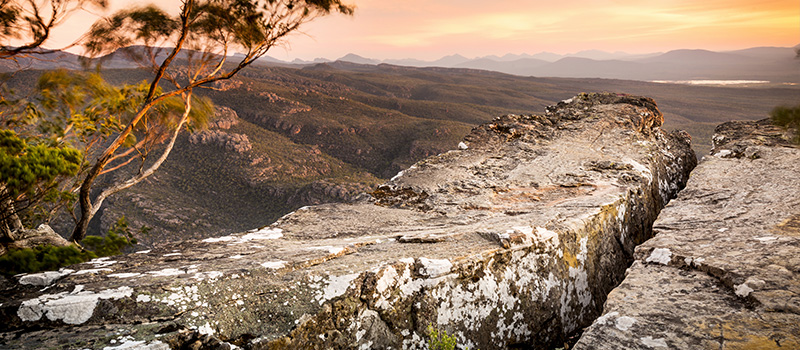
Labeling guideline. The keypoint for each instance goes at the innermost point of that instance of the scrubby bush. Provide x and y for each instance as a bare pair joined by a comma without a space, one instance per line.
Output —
49,258
42,258
440,340
119,236
787,117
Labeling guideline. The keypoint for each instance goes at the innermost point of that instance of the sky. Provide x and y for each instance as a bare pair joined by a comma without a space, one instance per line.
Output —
431,29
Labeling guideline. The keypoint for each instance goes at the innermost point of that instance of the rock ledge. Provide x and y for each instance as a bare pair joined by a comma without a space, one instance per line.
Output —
514,240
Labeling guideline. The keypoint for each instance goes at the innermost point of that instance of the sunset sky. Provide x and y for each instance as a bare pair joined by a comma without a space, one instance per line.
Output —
430,29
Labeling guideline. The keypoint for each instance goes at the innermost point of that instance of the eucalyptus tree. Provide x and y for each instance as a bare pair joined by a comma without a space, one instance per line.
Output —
184,52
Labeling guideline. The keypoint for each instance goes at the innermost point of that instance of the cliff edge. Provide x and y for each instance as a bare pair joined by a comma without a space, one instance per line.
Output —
723,270
513,240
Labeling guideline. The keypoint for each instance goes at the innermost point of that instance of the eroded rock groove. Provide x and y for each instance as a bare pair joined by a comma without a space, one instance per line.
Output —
723,270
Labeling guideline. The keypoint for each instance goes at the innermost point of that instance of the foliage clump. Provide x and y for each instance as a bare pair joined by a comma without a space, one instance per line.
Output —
30,172
42,258
117,127
440,340
49,258
787,117
119,236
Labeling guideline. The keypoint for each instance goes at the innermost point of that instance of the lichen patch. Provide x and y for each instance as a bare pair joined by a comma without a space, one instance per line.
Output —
44,278
71,308
266,233
624,323
435,267
279,264
660,255
336,286
743,290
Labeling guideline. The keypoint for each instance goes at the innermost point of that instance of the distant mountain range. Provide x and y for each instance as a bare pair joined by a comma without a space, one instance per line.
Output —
772,64
778,65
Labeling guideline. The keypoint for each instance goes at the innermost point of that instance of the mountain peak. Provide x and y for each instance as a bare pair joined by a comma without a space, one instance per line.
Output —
353,58
450,61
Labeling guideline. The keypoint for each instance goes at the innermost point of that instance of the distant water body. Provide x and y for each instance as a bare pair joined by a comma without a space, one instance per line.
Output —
711,82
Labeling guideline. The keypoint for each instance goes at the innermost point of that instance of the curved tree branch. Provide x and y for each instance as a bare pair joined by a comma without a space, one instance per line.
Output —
150,170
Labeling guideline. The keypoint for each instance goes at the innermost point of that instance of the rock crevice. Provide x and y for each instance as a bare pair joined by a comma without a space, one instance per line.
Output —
723,268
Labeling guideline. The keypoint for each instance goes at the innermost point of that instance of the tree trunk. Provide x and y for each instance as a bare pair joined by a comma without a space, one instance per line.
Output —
11,224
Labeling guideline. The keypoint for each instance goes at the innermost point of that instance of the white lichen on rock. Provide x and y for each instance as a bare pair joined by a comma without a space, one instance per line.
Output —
44,278
336,286
206,329
254,235
641,169
654,343
605,319
129,344
71,308
274,264
92,271
660,255
435,267
207,275
102,262
743,290
624,323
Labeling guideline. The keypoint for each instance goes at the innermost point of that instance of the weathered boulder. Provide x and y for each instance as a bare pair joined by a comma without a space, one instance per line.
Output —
514,240
723,270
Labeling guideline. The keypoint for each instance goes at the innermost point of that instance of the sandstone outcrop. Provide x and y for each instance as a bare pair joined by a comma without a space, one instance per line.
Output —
225,118
513,240
238,143
723,270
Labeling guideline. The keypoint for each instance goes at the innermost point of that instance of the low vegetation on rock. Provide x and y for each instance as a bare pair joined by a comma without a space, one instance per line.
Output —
787,117
42,258
440,340
51,257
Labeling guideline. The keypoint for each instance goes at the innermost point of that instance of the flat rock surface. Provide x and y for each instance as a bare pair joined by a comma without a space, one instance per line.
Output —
723,270
513,240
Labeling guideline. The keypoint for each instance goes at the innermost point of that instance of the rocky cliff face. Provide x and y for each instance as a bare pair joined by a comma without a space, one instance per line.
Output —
513,240
723,270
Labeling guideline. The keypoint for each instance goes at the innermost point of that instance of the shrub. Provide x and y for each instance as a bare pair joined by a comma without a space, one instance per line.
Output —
787,117
440,340
42,258
119,236
49,258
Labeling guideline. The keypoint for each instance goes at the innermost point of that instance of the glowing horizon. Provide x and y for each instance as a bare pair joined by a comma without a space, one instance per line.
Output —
429,30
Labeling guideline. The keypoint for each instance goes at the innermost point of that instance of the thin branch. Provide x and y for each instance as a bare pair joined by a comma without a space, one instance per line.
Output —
118,166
